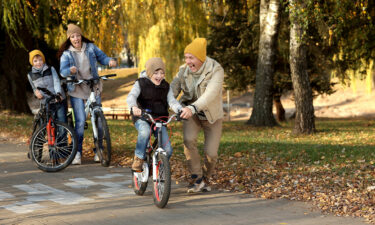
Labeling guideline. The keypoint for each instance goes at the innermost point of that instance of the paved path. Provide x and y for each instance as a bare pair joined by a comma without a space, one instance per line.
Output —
91,194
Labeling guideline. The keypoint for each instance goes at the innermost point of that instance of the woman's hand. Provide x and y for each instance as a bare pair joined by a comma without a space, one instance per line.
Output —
38,94
136,111
112,63
73,70
186,113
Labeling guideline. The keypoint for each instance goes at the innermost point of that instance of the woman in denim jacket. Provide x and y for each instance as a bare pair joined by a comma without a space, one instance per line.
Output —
79,57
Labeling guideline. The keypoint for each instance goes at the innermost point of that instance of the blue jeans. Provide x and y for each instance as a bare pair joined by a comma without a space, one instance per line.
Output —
78,105
143,129
60,111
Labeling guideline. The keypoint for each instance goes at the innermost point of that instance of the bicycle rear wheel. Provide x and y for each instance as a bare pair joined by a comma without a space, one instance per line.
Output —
140,180
162,184
103,141
53,158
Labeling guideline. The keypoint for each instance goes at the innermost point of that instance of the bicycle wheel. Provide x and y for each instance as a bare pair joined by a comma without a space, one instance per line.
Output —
103,141
140,180
53,158
162,184
38,122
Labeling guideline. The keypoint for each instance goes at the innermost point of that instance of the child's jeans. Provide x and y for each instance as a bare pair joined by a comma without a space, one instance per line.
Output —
143,129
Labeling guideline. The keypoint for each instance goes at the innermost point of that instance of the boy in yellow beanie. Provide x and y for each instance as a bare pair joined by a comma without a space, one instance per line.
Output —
200,80
44,76
151,91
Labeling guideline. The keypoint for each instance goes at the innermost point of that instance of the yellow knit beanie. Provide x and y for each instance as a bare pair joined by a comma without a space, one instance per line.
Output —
72,28
197,48
33,53
154,64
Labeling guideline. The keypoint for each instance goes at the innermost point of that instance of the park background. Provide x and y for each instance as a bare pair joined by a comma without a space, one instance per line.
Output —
290,60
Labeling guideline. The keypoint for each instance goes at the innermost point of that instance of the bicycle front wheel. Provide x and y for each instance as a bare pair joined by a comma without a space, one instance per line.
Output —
140,180
103,141
57,156
162,184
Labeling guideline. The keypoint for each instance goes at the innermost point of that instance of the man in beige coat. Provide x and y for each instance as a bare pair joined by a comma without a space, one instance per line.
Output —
200,80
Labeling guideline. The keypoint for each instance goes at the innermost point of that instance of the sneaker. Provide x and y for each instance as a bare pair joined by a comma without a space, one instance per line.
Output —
137,164
200,185
96,158
77,159
191,181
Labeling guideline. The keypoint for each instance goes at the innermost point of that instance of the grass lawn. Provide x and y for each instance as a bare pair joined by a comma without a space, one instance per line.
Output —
333,168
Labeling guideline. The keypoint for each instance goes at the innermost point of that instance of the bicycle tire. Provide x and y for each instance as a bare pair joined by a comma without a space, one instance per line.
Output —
57,157
162,185
140,187
37,123
103,142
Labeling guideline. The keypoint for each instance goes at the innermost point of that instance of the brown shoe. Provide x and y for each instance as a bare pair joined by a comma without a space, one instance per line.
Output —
137,164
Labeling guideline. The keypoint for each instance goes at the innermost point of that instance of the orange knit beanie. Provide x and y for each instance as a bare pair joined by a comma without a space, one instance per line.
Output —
34,53
197,48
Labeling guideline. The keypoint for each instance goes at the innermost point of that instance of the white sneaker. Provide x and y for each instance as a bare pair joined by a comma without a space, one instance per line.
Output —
96,158
77,159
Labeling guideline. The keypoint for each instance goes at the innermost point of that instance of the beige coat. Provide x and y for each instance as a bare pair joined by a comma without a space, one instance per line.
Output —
208,89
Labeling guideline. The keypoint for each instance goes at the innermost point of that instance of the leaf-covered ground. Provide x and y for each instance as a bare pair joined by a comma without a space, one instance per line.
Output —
334,169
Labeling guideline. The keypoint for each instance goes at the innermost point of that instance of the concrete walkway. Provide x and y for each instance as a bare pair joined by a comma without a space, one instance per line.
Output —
91,194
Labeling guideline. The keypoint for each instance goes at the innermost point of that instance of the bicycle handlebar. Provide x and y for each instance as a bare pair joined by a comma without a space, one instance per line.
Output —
149,116
74,80
50,94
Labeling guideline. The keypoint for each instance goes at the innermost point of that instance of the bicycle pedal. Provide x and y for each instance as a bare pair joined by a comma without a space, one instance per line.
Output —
137,171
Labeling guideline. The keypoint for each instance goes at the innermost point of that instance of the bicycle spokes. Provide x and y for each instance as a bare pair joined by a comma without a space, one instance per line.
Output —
60,154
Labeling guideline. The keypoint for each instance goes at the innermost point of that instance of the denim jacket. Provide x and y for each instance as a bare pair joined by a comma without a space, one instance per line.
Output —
94,54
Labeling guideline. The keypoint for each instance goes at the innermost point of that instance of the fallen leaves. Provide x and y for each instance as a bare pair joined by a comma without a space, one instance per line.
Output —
349,195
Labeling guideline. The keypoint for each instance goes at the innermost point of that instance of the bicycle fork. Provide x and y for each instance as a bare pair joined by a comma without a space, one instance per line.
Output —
155,162
94,128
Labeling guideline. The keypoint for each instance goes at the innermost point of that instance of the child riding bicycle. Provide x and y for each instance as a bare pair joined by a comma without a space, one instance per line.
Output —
79,56
151,91
44,76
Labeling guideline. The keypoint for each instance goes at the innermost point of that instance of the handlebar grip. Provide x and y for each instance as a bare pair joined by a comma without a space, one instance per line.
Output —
110,75
45,90
178,116
70,79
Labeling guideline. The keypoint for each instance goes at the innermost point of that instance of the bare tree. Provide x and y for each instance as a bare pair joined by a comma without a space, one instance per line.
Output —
269,26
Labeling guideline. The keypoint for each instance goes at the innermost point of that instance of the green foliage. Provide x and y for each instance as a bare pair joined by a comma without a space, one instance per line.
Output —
163,28
348,29
234,38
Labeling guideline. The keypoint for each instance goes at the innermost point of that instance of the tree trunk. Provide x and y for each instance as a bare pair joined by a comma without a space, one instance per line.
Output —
304,120
280,111
269,26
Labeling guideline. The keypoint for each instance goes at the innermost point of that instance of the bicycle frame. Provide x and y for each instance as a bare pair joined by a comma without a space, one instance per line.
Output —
90,108
160,149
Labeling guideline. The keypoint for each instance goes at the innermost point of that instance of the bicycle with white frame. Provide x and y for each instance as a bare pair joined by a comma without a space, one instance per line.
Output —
100,130
156,164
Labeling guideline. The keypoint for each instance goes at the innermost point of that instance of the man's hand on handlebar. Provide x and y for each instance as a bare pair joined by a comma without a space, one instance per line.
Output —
186,113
